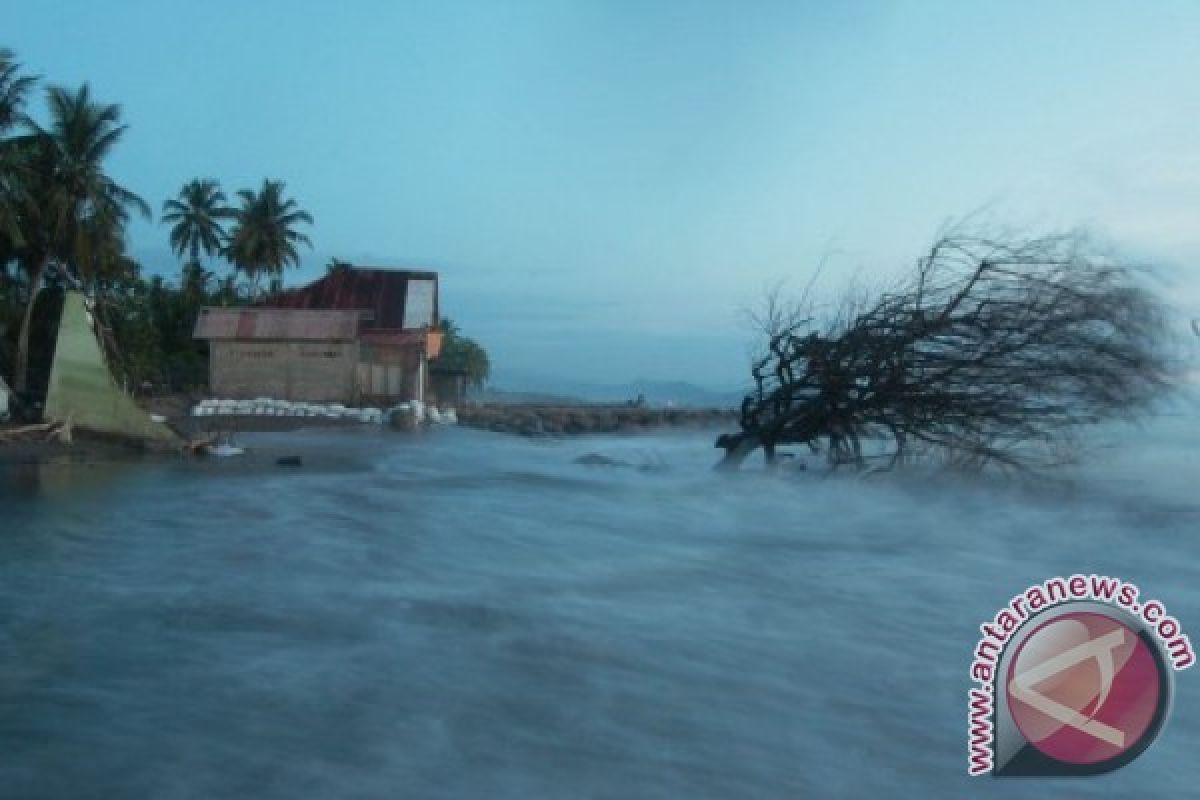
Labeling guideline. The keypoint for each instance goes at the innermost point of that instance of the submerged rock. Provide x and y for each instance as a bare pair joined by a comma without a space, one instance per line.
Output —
597,460
650,464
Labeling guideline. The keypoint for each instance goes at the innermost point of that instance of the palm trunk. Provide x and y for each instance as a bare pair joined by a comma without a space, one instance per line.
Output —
21,367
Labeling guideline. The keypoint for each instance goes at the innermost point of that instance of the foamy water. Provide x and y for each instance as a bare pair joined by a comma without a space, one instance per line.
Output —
473,615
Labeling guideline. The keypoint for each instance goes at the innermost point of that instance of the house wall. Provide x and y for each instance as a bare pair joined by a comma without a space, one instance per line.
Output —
389,374
316,372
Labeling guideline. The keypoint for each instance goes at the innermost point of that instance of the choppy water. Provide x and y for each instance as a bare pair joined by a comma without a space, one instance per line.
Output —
472,615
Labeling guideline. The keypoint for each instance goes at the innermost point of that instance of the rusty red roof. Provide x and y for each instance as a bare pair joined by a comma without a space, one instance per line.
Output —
397,299
278,324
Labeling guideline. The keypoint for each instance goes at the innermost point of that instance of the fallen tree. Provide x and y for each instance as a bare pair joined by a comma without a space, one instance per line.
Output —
991,353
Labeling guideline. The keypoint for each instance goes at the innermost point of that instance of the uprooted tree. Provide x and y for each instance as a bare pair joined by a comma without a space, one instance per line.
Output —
991,353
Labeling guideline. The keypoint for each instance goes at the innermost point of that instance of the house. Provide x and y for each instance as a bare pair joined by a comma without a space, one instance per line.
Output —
358,336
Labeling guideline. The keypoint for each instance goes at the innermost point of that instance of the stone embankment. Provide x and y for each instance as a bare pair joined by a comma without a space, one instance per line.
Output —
530,420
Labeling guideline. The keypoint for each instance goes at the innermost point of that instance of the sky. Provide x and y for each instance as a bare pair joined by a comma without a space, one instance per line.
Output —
606,187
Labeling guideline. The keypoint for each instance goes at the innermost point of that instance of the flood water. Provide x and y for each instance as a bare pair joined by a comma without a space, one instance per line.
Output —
465,614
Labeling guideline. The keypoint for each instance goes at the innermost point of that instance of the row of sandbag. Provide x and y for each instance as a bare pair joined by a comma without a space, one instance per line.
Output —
270,407
421,412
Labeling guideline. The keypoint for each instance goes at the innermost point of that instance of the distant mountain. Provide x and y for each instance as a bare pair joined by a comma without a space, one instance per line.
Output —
505,396
506,386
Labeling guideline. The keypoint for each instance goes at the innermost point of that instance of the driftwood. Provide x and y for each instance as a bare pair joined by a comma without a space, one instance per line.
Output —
199,445
992,353
46,431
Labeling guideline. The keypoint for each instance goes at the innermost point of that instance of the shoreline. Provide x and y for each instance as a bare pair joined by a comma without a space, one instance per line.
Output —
527,420
83,449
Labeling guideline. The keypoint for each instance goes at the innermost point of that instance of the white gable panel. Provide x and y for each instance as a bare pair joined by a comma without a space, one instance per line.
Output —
418,304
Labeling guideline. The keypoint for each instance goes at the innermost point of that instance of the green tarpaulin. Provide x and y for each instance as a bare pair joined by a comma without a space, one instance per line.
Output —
83,391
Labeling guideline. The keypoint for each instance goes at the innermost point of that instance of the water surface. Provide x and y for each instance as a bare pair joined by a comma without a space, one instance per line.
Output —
468,614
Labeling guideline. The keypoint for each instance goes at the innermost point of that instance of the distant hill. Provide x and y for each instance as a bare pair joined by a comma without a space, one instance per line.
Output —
495,395
517,387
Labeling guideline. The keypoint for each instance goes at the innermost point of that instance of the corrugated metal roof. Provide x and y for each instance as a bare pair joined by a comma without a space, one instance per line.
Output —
383,292
279,324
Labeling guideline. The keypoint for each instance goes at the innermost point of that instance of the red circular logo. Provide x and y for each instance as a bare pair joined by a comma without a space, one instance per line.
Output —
1084,688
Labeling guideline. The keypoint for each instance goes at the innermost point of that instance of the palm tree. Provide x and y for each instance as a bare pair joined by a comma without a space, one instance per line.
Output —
196,218
461,353
71,212
264,236
14,90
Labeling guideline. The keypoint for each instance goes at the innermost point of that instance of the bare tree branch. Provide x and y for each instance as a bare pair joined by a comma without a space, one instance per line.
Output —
992,353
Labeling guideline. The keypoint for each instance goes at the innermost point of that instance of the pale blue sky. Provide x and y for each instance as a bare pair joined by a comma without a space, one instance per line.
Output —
604,185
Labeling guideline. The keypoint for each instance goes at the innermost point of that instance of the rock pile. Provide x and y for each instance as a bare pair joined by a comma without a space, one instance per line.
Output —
544,420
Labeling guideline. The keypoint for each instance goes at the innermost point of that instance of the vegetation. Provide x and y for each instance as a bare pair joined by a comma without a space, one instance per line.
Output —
992,353
462,354
14,91
264,237
196,217
69,216
152,324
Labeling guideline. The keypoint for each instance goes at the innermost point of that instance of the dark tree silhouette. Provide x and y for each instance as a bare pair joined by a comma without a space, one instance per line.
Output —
992,353
72,215
197,218
264,237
